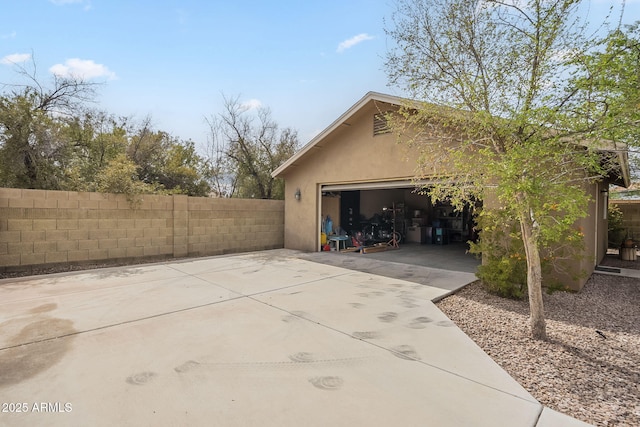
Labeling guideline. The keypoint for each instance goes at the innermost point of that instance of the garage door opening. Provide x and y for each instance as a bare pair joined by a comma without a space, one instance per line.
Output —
375,211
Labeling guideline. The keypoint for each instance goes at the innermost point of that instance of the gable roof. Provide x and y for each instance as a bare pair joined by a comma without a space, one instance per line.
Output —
314,143
623,180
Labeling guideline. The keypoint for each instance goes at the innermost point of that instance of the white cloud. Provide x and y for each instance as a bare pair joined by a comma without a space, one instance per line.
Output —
353,41
15,58
82,68
252,104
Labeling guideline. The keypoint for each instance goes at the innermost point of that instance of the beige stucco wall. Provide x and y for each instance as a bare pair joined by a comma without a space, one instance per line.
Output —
40,227
594,227
350,154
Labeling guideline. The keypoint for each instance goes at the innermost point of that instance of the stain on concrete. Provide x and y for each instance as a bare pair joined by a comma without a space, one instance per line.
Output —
388,316
141,378
289,319
35,349
302,357
119,272
445,323
405,352
43,308
186,366
397,285
420,322
407,299
366,335
327,383
356,305
409,303
300,313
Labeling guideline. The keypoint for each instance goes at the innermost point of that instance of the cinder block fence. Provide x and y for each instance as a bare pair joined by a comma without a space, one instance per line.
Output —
40,228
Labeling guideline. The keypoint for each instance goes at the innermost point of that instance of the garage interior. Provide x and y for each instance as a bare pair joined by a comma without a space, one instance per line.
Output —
372,212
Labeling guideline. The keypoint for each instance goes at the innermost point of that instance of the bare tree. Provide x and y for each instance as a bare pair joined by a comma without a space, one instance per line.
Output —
221,179
245,148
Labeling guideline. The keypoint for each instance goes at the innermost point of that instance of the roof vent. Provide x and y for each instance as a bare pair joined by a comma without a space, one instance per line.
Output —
380,124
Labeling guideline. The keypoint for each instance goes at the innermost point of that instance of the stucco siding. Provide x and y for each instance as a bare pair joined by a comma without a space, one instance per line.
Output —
350,154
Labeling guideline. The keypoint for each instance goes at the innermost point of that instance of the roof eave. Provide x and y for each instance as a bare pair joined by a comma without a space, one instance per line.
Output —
370,96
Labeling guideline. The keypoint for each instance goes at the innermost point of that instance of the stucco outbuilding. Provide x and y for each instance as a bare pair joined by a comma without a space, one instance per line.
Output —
355,170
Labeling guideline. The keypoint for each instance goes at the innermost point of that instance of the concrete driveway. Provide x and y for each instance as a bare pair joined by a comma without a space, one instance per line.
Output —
263,339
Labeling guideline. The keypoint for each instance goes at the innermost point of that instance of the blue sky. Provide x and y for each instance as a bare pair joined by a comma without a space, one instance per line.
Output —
308,61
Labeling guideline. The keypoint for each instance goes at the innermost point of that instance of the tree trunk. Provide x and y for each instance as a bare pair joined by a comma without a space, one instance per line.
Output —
534,276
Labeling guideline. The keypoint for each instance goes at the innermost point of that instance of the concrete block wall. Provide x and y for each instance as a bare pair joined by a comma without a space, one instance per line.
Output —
39,228
218,226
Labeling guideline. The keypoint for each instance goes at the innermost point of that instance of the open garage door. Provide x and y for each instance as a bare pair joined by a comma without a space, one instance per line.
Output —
377,209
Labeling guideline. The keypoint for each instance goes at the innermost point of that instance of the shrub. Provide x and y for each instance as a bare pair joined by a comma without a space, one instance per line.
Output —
504,268
615,230
504,276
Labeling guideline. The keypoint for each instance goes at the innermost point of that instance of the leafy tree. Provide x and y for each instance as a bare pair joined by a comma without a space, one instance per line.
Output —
183,170
119,176
31,116
95,138
50,139
165,161
500,105
611,99
251,151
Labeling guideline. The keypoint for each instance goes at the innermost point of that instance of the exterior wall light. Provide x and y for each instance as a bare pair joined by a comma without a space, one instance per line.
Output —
298,195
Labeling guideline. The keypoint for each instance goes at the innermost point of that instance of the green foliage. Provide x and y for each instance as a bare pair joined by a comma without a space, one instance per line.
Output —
168,163
29,146
85,150
504,276
119,176
609,87
513,105
183,171
504,267
50,140
616,231
96,140
495,124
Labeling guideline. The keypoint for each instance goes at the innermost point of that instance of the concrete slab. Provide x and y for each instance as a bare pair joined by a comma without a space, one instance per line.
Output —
551,418
615,271
89,303
397,316
445,279
250,339
453,257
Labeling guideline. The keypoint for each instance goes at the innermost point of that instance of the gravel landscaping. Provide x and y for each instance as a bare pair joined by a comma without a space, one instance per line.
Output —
590,366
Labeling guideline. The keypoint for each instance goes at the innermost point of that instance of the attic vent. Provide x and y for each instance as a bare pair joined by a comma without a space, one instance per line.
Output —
380,124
